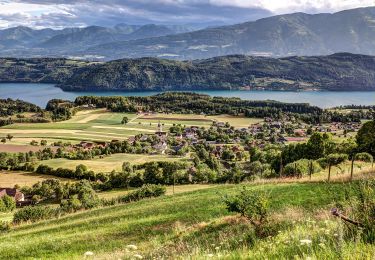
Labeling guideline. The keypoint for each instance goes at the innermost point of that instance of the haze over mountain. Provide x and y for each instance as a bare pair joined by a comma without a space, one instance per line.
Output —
283,35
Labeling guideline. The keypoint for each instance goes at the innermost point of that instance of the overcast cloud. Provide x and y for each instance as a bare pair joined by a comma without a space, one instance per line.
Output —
69,13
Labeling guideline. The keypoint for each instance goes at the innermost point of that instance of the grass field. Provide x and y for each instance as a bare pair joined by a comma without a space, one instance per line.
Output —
9,179
193,225
111,162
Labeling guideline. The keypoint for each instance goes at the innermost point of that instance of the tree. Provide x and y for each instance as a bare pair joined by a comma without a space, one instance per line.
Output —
366,138
125,120
3,140
43,142
9,137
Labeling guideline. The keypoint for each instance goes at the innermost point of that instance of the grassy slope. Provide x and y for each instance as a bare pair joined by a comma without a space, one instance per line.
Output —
158,226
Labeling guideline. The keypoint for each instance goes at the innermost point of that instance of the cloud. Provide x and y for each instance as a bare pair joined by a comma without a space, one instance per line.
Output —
62,13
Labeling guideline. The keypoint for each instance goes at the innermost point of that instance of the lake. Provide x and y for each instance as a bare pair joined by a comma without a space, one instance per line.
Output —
40,94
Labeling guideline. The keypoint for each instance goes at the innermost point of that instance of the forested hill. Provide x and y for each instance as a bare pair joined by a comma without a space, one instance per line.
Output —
342,71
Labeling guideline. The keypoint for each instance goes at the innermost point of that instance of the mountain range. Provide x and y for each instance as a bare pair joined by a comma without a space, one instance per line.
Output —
277,36
341,71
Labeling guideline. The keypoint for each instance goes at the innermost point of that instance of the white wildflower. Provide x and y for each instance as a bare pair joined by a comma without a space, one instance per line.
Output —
210,255
138,256
132,247
217,248
305,241
88,253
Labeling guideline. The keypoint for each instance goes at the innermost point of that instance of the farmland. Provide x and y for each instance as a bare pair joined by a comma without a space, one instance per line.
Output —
109,163
101,125
9,179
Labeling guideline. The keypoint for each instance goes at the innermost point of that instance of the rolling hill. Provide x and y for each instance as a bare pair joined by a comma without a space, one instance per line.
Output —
341,71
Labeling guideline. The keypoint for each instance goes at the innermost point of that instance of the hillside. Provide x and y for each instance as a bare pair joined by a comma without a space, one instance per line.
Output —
193,224
342,71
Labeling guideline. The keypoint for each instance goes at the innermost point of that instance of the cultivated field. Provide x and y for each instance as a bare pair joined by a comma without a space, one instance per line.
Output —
111,162
101,125
9,179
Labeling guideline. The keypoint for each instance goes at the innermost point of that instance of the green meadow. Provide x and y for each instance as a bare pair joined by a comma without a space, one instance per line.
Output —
194,225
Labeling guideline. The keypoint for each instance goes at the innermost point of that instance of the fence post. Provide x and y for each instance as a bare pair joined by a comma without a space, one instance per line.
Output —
329,172
352,169
311,169
281,167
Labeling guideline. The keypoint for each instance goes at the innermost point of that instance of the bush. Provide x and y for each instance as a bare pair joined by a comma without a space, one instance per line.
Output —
33,214
322,162
4,226
252,205
301,167
146,191
9,203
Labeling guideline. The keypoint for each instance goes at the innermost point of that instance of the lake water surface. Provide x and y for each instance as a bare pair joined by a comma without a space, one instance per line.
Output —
40,94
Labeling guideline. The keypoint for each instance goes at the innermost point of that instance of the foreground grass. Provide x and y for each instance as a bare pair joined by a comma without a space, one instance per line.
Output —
188,224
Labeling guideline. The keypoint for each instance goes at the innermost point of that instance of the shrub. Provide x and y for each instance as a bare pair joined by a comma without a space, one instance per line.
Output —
146,191
33,214
9,203
252,205
71,205
322,162
301,167
4,226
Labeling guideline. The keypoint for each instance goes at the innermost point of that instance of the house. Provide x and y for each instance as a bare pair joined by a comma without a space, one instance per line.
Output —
160,132
160,147
86,145
14,193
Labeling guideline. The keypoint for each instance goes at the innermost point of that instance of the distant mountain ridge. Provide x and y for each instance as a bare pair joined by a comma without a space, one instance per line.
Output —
297,34
341,71
283,35
23,41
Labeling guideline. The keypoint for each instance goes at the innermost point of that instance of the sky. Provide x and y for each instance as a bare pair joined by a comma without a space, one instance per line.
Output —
78,13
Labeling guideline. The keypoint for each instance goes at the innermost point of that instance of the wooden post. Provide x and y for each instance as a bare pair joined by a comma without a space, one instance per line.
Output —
311,169
174,180
295,170
352,169
329,172
281,167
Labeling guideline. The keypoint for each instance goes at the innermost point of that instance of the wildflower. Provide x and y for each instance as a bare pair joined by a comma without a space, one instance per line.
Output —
210,255
138,256
88,253
132,247
322,245
305,241
336,235
217,248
